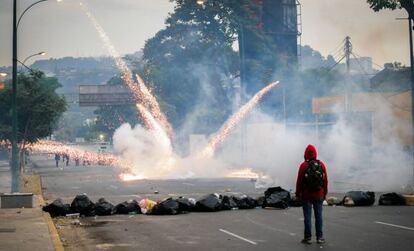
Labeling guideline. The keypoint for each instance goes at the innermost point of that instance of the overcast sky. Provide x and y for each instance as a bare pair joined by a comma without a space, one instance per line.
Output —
62,29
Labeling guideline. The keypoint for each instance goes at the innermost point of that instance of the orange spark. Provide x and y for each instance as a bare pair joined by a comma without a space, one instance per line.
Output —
231,123
140,91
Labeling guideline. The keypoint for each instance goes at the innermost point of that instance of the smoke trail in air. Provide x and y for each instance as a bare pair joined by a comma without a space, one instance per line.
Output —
154,106
140,92
222,134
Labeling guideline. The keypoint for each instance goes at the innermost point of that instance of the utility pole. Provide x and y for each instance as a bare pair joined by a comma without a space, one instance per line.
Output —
15,170
348,52
410,28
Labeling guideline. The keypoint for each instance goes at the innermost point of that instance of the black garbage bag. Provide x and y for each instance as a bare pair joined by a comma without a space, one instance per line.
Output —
245,202
209,203
361,198
83,205
57,208
166,207
127,207
186,204
103,207
295,202
276,197
227,203
259,201
391,199
272,190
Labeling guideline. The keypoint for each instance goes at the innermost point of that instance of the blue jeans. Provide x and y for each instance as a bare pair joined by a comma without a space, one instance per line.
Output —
307,213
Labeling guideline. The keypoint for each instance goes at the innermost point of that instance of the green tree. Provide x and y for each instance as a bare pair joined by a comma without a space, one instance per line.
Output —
378,5
191,63
38,107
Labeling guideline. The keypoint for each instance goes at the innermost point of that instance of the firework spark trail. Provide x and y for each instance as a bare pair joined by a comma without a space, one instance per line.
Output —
159,134
53,147
140,92
232,122
154,106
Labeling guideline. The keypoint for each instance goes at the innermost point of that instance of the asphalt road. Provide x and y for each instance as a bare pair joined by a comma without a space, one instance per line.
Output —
360,228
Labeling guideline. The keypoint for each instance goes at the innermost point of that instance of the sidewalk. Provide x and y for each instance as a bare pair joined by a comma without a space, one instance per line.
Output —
25,228
5,179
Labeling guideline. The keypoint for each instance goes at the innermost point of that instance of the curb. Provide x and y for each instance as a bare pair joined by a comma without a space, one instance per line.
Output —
36,184
54,235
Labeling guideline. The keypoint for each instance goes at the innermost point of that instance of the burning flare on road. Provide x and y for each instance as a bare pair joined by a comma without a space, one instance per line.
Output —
53,147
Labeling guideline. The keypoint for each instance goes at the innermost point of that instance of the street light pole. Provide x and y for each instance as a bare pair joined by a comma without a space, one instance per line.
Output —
15,170
410,28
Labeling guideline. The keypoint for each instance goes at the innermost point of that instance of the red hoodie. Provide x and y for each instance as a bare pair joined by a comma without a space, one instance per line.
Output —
301,191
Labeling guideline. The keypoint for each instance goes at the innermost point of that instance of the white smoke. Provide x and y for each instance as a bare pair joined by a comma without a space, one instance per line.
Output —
271,148
150,155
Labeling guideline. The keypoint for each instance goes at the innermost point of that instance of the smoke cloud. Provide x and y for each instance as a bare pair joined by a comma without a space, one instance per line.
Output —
274,150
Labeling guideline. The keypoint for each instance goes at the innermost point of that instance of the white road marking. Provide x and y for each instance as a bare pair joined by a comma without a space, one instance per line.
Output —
188,184
238,236
266,226
393,225
129,195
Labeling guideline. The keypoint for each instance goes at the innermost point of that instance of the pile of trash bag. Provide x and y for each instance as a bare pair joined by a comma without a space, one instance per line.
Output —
276,197
171,206
166,207
186,204
391,199
245,202
259,201
146,205
359,198
83,205
334,201
228,203
57,208
103,207
127,207
209,203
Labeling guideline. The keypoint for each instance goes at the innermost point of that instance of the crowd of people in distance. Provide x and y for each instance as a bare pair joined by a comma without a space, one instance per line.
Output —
66,160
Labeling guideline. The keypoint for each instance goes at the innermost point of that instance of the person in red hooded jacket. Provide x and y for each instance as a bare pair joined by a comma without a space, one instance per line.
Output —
311,197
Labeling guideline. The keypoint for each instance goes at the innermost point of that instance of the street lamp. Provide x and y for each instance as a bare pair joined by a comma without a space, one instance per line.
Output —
2,75
15,170
42,53
23,63
200,2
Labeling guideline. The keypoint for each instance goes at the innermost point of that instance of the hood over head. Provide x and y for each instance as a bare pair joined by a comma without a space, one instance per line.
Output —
310,152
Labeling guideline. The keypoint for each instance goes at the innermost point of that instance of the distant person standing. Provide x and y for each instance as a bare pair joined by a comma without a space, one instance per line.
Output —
76,160
311,189
57,158
67,159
